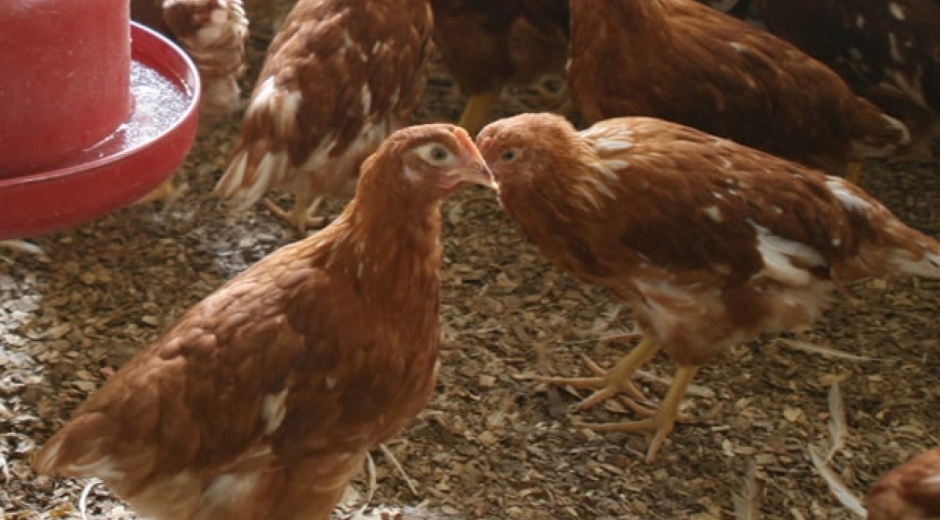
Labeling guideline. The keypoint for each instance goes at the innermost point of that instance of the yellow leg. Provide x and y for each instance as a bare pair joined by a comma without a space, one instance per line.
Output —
665,418
609,384
853,172
166,192
300,215
478,109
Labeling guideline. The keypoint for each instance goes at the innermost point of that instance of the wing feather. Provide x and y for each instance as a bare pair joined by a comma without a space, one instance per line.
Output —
337,70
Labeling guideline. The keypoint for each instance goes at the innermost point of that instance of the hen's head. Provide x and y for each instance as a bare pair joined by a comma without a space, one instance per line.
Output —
517,149
424,162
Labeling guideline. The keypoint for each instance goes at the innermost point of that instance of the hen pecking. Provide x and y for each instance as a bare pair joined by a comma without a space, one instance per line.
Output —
888,50
684,62
910,491
709,242
339,77
487,45
263,399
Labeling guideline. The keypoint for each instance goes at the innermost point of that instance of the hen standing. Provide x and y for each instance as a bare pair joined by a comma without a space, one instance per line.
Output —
489,44
339,77
709,242
263,399
684,62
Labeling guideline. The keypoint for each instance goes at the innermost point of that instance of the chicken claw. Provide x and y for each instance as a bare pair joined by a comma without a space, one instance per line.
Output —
300,216
167,193
610,383
662,421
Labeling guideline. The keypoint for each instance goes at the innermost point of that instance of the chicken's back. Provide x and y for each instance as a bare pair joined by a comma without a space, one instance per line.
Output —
704,69
711,243
214,33
262,401
339,77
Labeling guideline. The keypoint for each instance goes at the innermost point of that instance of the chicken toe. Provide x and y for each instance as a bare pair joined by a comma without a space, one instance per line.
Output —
665,418
301,216
610,383
167,193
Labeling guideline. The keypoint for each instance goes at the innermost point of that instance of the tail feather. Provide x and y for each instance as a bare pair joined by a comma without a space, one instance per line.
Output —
926,265
251,173
76,449
878,134
260,158
213,32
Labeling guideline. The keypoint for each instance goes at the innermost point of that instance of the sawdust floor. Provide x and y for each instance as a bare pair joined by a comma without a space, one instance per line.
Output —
491,444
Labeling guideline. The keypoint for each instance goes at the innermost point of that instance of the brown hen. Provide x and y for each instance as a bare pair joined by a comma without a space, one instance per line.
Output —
887,50
263,399
910,491
709,242
487,45
339,77
213,33
684,62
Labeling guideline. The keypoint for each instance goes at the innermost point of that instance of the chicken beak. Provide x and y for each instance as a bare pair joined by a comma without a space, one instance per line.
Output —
475,170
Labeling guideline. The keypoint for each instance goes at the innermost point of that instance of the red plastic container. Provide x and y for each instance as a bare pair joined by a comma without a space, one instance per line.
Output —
151,143
66,82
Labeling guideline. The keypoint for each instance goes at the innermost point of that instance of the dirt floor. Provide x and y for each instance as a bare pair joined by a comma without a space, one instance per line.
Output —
492,443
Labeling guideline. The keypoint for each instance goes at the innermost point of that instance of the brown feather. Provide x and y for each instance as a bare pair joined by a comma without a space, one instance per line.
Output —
887,50
214,33
710,242
682,61
339,77
492,43
910,491
263,399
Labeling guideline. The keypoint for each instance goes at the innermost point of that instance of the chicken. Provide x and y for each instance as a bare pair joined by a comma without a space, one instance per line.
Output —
684,62
264,398
339,77
213,33
710,243
887,50
487,45
910,491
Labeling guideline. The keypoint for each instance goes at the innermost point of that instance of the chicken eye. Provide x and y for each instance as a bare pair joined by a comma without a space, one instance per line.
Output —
438,154
509,155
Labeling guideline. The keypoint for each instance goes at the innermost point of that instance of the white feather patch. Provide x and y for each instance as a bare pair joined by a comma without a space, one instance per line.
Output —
612,145
850,201
228,488
273,411
779,253
927,267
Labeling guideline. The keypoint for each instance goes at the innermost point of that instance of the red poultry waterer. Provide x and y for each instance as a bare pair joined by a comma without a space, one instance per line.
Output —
95,112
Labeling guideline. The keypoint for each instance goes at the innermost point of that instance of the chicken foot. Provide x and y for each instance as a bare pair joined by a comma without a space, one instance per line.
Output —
610,383
166,193
477,111
665,417
300,215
